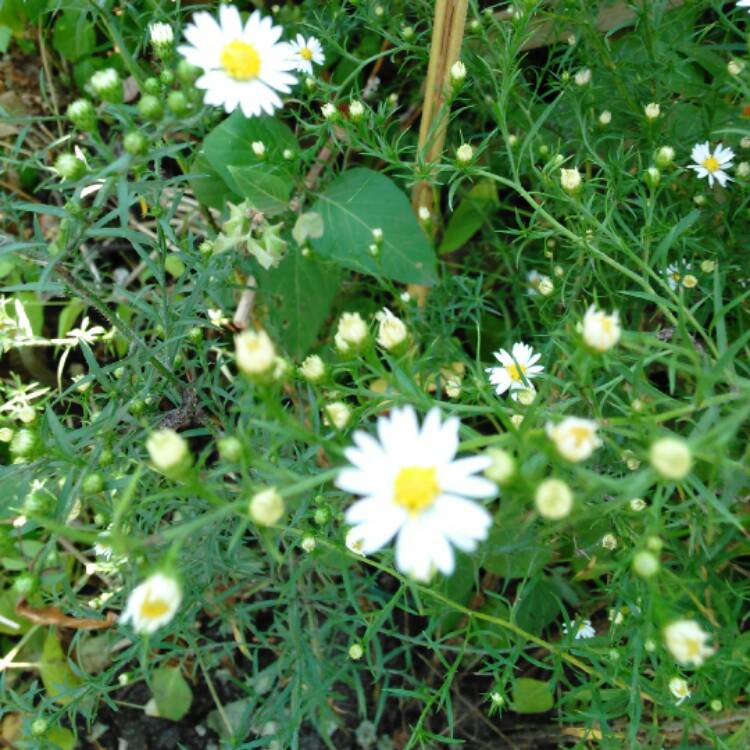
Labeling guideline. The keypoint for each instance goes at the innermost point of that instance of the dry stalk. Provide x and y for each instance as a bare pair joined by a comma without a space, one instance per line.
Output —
447,35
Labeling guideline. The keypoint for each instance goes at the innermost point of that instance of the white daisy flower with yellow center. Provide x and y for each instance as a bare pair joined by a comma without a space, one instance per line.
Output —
244,65
575,438
688,642
579,629
677,274
413,488
712,165
516,371
153,603
305,52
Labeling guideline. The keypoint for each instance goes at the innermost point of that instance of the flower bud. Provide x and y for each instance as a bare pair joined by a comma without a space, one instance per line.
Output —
313,369
356,652
570,179
230,448
177,103
392,332
502,465
186,72
150,108
169,452
351,333
338,414
553,499
464,154
258,148
161,37
329,111
69,167
135,143
652,110
266,507
458,73
652,177
605,118
356,110
645,564
82,114
256,355
671,457
107,85
664,157
583,77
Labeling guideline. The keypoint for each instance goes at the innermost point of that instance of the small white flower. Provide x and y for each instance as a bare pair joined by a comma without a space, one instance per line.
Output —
609,541
735,67
392,331
516,420
169,452
351,332
414,489
424,213
313,368
255,352
458,73
545,286
605,117
356,652
645,564
583,77
743,4
712,165
600,330
637,504
676,274
687,642
244,65
652,110
582,629
338,414
517,369
356,110
160,34
679,688
305,52
570,179
308,544
671,457
553,499
152,603
266,507
464,154
575,438
259,148
616,616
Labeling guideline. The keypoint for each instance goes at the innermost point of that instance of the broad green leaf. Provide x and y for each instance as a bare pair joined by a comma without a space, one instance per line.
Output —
267,188
73,35
473,211
6,33
538,606
62,738
230,144
532,696
208,186
299,294
513,551
58,678
359,201
172,694
68,316
10,622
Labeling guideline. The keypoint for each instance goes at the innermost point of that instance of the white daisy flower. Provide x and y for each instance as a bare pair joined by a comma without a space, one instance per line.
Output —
516,371
582,629
575,438
712,165
679,688
687,642
744,4
153,603
676,274
244,65
600,330
305,53
413,488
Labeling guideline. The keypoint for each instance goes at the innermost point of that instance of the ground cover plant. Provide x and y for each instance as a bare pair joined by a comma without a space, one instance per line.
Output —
374,374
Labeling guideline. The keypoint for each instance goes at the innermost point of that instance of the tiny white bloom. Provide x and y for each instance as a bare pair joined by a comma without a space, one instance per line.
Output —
329,111
575,438
308,543
679,688
160,34
259,148
687,642
392,331
570,179
356,110
605,117
313,368
414,489
582,629
424,213
338,414
356,652
169,451
255,352
244,65
600,330
553,499
351,332
735,67
458,72
637,504
464,154
609,541
583,77
671,457
712,165
152,603
516,420
676,274
517,369
652,110
305,52
645,563
266,507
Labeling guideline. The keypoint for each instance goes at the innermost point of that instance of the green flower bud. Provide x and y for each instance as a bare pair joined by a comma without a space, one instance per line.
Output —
136,407
664,157
166,77
152,86
135,143
652,177
92,484
105,458
82,114
69,167
177,102
151,108
230,448
107,85
25,584
195,334
186,72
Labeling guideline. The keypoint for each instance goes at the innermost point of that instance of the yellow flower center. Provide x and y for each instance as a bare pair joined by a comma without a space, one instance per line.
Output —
240,60
580,434
306,53
711,163
416,488
153,608
693,647
676,276
516,372
606,323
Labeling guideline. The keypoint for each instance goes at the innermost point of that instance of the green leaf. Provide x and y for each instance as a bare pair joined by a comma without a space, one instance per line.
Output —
68,316
267,188
308,226
230,145
6,33
532,696
208,186
473,211
513,551
58,678
10,622
73,35
538,606
300,292
359,201
62,738
172,694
